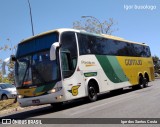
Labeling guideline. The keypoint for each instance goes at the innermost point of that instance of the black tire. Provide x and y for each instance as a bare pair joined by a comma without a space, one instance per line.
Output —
145,82
140,84
4,97
92,92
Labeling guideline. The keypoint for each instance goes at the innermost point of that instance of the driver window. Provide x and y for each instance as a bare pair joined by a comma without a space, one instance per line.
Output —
68,53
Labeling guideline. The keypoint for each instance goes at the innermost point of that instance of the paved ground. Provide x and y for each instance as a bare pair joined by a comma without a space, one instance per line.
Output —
142,103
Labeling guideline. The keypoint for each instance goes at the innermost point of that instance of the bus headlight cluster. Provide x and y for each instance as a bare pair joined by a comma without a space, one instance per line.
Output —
55,90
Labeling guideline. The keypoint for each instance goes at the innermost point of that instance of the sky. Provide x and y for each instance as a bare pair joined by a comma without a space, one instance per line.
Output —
137,20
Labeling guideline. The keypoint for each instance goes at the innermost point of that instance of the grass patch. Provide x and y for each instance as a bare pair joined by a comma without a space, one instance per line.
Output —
8,104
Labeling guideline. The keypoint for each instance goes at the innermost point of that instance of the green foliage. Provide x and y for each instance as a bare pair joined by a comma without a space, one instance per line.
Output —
93,25
156,62
10,76
4,79
0,76
0,70
11,72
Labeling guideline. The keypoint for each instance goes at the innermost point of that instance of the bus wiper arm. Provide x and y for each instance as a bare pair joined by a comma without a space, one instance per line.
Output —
25,73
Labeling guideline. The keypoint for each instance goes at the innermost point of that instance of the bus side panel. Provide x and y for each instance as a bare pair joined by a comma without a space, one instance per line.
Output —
113,71
90,68
110,75
133,66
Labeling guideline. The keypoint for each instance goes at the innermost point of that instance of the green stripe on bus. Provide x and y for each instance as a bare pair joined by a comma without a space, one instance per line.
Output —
112,68
117,68
39,89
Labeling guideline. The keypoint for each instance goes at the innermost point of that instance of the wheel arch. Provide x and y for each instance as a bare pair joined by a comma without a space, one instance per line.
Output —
96,83
3,94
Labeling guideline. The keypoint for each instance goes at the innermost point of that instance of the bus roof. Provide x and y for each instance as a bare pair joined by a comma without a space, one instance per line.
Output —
120,39
84,32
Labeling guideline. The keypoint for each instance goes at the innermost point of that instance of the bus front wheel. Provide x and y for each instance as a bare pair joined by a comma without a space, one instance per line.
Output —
92,92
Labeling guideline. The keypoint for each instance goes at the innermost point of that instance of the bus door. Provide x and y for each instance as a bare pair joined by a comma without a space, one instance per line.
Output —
72,78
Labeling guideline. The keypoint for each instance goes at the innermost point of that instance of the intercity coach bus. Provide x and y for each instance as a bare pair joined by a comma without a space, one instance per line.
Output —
67,64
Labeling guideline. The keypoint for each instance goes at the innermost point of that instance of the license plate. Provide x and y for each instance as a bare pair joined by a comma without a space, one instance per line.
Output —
36,101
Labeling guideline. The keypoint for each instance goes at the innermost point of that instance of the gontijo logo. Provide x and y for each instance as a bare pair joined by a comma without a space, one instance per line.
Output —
74,90
130,62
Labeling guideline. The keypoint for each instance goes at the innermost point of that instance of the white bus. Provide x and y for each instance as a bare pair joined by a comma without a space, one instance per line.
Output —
66,64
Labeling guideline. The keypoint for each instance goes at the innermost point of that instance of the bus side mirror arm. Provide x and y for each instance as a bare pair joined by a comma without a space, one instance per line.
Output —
53,49
13,58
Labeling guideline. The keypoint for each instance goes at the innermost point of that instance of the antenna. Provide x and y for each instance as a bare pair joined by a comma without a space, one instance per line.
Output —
31,17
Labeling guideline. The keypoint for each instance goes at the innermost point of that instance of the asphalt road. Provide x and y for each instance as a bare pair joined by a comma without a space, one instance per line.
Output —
141,103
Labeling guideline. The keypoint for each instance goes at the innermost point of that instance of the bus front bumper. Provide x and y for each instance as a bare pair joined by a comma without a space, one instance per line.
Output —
39,100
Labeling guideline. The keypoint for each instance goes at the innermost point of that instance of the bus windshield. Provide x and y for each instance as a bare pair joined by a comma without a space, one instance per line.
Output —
33,65
36,69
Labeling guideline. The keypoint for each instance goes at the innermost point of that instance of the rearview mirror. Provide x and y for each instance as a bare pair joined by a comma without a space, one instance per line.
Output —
53,50
13,58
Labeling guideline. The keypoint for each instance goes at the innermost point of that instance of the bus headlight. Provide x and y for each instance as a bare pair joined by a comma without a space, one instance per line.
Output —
20,96
55,90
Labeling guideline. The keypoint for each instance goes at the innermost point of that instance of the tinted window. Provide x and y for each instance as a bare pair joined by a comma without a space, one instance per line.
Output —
97,45
35,45
146,51
69,44
68,53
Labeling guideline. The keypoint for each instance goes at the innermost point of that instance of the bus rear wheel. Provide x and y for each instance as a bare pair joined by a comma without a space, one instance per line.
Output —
145,82
92,92
140,83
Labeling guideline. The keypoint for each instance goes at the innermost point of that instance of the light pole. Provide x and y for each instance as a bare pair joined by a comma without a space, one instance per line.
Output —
96,20
31,17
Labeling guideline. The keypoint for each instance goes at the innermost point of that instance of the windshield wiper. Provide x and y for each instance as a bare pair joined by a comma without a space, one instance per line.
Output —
28,63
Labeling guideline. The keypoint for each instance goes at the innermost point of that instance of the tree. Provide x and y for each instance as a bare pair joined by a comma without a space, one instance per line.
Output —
156,62
1,76
93,25
1,71
10,65
11,72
